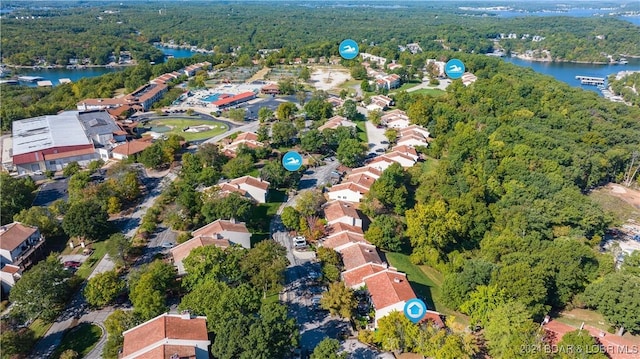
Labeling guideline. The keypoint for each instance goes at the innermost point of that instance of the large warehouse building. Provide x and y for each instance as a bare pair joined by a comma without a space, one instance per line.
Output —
49,143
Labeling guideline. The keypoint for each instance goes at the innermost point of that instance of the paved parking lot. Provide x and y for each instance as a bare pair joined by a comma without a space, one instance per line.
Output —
49,192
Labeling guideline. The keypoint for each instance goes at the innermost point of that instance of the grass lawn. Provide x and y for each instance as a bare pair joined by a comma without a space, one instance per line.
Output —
429,165
621,210
407,86
271,298
576,317
178,124
348,85
99,250
81,339
432,92
39,328
362,131
426,283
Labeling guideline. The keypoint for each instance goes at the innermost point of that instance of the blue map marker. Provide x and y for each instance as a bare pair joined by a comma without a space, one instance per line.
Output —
454,69
415,310
292,161
349,49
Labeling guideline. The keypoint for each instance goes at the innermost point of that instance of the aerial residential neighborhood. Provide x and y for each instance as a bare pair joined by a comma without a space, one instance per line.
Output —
185,180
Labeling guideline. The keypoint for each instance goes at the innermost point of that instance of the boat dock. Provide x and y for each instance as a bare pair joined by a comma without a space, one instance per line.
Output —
589,80
30,78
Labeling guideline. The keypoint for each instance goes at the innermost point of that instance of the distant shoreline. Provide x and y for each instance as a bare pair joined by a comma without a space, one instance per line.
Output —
534,59
65,67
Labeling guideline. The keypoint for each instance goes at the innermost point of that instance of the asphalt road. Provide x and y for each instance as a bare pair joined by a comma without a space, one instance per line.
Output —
318,176
376,137
49,192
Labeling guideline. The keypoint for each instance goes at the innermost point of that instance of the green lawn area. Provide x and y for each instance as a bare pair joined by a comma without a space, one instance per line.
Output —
432,92
407,86
39,328
99,250
426,283
621,210
429,165
177,124
362,131
576,317
81,339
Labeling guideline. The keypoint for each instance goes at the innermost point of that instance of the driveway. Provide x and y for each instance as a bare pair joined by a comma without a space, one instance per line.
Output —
376,137
49,192
317,176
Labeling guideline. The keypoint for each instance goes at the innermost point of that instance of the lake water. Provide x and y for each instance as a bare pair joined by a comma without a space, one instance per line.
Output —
177,53
54,75
567,72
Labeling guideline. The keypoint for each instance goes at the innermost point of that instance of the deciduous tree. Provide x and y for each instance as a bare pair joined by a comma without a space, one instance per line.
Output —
339,300
103,289
350,152
17,194
42,290
86,220
616,297
328,348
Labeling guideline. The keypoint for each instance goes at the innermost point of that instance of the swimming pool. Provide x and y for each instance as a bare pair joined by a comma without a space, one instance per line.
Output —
213,97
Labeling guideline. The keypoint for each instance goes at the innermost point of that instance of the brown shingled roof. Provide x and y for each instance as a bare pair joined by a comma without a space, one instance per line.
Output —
251,181
14,234
356,276
131,147
337,209
165,326
388,288
359,254
181,251
343,238
340,227
218,226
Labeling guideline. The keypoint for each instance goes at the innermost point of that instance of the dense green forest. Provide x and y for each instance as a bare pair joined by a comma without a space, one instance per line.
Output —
504,207
307,31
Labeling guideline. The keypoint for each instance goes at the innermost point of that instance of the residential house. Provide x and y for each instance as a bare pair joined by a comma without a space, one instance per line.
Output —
182,251
386,101
335,101
256,188
389,291
338,228
163,79
393,66
335,122
468,78
248,139
380,163
407,151
412,140
405,161
168,336
271,89
397,122
353,190
234,232
9,275
344,212
366,170
613,346
130,148
20,247
342,239
359,254
439,66
415,130
354,278
193,69
146,95
389,82
373,58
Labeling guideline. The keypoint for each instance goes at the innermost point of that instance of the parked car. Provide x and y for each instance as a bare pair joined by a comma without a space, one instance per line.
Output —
167,245
299,242
72,264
